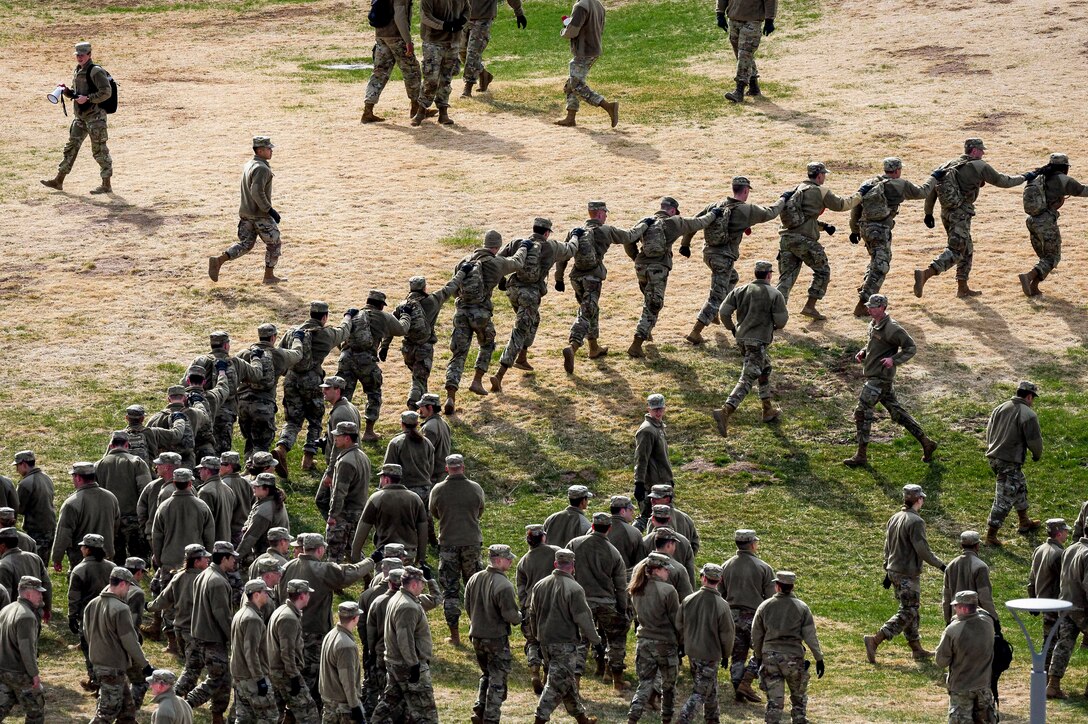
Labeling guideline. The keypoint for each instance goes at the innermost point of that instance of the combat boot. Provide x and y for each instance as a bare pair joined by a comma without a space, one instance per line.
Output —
668,698
55,183
467,92
153,629
696,336
451,400
171,644
522,362
538,685
414,108
217,717
917,652
307,461
770,412
613,110
444,116
871,644
596,350
477,385
860,310
1027,281
618,684
810,310
1035,291
215,263
288,718
455,635
991,537
1026,524
860,458
280,453
721,418
635,350
270,276
568,121
963,291
368,434
737,96
753,86
419,115
485,79
103,188
600,664
928,447
568,356
745,690
1054,688
368,114
496,379
921,276
585,719
653,703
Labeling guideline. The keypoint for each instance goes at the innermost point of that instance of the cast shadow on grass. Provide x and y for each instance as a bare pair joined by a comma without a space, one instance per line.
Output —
460,139
811,485
990,328
119,211
807,122
1074,315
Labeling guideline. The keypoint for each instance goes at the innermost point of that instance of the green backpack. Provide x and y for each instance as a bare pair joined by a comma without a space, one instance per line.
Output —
792,213
874,204
1035,196
653,241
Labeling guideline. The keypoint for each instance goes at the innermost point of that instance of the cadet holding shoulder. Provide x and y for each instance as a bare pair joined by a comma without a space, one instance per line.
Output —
417,348
1042,199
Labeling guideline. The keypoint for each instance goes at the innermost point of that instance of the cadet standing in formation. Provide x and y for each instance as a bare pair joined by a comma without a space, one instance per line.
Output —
659,635
967,649
565,525
537,563
286,653
249,668
396,515
90,509
1012,431
35,491
652,466
1042,219
747,19
349,491
212,611
170,708
746,582
408,652
124,475
339,679
456,505
584,30
492,608
341,410
708,635
113,648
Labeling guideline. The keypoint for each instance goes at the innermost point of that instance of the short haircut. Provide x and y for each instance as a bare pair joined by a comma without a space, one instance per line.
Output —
217,558
1022,394
602,527
763,274
344,618
785,587
738,189
542,230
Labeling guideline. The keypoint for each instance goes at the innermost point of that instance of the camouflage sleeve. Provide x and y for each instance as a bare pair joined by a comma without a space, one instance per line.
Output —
834,202
687,227
258,181
931,200
762,214
449,290
564,251
512,264
913,192
992,176
102,85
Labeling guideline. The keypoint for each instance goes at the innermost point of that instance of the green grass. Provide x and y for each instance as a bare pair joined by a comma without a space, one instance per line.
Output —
463,238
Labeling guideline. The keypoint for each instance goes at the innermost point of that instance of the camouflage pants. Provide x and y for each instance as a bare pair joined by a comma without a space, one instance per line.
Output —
704,692
778,672
311,657
495,660
362,368
387,53
44,541
417,698
158,583
744,36
881,391
587,292
653,659
223,430
114,697
908,591
878,242
418,358
1011,491
972,707
576,86
439,66
742,643
533,655
336,714
961,250
248,231
257,423
339,537
17,689
94,127
138,683
1065,642
561,661
130,540
301,705
1049,622
374,686
194,664
251,706
1046,240
795,250
757,368
612,627
479,35
652,279
302,403
217,682
526,304
456,564
468,321
723,277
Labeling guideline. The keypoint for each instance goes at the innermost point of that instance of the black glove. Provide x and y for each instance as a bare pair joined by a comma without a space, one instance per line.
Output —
718,211
296,685
222,365
450,26
427,572
465,266
526,243
1029,176
939,173
829,229
175,416
685,251
649,220
855,238
383,353
377,555
73,624
787,194
459,23
262,686
413,675
820,669
577,232
560,285
768,26
357,714
275,215
929,221
640,491
502,284
148,670
256,353
194,398
943,566
522,22
887,581
299,335
353,311
757,662
722,22
865,188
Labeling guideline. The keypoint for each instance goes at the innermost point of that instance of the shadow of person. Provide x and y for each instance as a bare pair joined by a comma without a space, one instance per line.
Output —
146,219
459,138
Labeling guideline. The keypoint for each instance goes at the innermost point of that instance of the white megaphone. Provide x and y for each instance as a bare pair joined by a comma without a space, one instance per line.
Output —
56,95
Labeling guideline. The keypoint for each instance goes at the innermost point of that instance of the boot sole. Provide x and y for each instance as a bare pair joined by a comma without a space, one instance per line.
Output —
927,455
813,314
213,268
601,352
1025,283
615,114
522,366
694,340
852,463
919,283
496,384
568,360
870,649
719,420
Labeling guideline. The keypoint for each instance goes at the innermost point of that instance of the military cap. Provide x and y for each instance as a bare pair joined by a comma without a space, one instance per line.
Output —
183,475
816,168
9,532
429,399
210,462
196,371
255,585
224,546
319,307
786,577
83,48
218,337
876,300
663,512
262,459
394,550
535,530
298,585
712,571
1053,525
266,330
335,382
7,513
966,598
417,283
739,181
745,535
1026,386
620,501
310,541
492,239
1059,159
576,492
764,266
540,221
93,540
345,427
564,555
135,411
913,491
24,456
655,401
973,143
602,519
81,468
670,202
349,609
396,575
657,560
31,583
392,470
196,550
262,142
123,574
661,491
892,164
969,538
136,564
665,533
388,564
230,457
499,550
162,676
409,417
375,296
411,573
119,436
269,565
167,458
455,460
598,206
175,391
265,480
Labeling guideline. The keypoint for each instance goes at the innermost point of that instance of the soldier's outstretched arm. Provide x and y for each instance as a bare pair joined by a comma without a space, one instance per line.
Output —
834,202
992,176
762,214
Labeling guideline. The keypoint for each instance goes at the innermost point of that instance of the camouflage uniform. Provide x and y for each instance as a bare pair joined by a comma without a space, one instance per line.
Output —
16,689
257,397
1046,239
1012,431
744,36
704,692
358,363
886,339
302,399
253,214
761,310
492,609
391,47
783,622
90,120
440,61
584,31
801,244
418,345
20,625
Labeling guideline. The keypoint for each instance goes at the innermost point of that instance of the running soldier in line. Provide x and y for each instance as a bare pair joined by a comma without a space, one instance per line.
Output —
1042,199
257,397
417,348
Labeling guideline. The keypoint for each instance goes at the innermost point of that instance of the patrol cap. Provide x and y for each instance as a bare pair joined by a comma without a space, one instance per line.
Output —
786,577
93,540
394,550
135,411
167,458
429,399
183,475
665,533
269,565
346,427
1026,386
417,283
1053,525
262,142
162,676
230,457
670,202
411,573
266,330
499,550
745,535
542,222
973,143
82,48
662,512
969,538
876,300
136,564
6,513
396,575
598,206
535,529
119,436
255,585
262,459
265,480
31,583
655,401
9,533
175,391
24,456
196,550
409,417
966,598
816,168
564,555
388,564
892,164
1059,159
661,491
620,501
392,470
318,307
492,239
81,468
455,460
764,266
577,492
712,571
602,519
195,371
299,585
335,382
219,337
310,541
657,560
224,546
211,462
349,609
739,181
913,491
122,574
375,296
